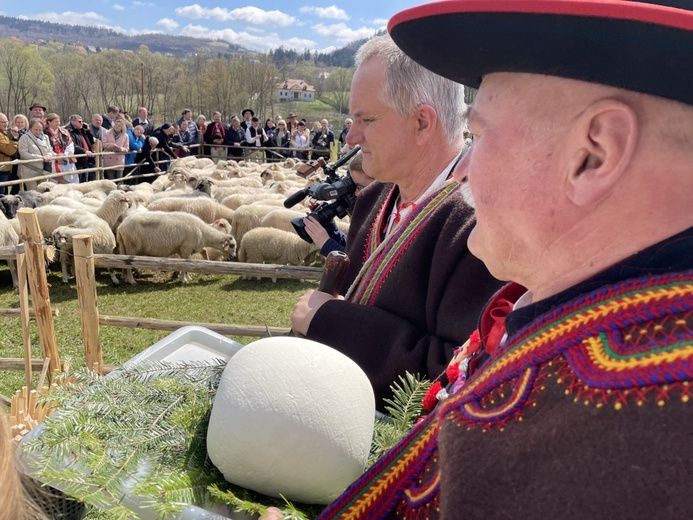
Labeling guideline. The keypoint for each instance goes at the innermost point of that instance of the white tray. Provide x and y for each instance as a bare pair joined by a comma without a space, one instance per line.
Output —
185,344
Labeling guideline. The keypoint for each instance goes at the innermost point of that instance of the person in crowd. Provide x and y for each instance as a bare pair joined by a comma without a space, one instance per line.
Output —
123,114
576,400
116,141
291,123
143,120
281,139
84,145
146,160
329,237
164,134
247,114
201,123
186,115
323,141
62,146
182,140
8,150
235,139
111,115
34,144
413,291
135,144
37,110
255,137
343,145
18,127
300,141
96,127
216,135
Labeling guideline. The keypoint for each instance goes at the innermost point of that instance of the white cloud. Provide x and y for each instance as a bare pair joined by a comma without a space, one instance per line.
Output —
261,42
143,4
68,17
118,7
342,33
332,12
250,15
380,21
167,24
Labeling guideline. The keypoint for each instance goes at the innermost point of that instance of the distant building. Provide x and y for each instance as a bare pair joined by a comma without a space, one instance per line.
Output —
294,90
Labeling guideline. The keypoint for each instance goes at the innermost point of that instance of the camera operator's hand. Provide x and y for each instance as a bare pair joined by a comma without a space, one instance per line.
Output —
316,231
306,307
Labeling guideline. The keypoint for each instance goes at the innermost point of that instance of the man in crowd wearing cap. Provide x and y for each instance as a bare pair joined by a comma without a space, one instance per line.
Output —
413,291
291,123
577,404
164,135
37,111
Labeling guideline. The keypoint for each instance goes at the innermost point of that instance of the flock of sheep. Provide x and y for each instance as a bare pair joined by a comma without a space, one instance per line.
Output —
196,208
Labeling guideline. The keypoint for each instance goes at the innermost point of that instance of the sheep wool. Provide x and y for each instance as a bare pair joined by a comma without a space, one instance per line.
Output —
292,417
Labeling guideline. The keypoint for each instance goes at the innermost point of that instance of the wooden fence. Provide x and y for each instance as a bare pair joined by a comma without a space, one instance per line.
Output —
31,269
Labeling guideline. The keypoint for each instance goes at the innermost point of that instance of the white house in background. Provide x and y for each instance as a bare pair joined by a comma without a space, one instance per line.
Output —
294,90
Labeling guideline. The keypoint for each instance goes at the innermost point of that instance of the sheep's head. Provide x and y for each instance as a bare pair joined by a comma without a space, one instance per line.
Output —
59,237
10,205
222,225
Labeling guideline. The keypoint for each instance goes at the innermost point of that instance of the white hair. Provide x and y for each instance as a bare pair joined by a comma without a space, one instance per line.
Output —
408,85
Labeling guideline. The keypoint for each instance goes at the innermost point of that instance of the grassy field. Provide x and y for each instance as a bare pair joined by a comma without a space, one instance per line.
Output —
209,299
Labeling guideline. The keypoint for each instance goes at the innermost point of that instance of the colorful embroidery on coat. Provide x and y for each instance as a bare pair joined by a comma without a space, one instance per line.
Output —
631,339
381,266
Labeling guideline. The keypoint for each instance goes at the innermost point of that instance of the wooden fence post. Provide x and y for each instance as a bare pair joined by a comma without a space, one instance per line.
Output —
24,312
36,269
86,293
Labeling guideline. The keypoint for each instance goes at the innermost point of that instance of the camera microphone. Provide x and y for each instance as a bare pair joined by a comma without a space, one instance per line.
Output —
297,197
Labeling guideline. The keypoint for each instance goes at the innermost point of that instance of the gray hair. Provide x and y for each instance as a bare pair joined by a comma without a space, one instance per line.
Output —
74,117
408,85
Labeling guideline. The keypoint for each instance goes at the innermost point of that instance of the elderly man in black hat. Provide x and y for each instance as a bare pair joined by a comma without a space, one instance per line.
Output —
574,400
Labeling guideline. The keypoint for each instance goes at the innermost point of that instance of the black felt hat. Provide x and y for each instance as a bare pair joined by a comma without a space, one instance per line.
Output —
247,110
644,46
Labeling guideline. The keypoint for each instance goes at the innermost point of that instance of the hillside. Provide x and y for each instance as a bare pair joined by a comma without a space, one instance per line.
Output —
35,30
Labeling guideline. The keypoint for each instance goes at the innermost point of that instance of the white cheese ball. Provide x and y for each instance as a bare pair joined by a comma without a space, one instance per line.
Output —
292,417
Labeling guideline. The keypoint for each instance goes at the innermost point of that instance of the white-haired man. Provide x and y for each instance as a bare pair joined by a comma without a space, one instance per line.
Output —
413,291
575,401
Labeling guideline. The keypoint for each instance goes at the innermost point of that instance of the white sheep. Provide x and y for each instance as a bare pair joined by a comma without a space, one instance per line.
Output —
51,216
103,241
274,246
205,208
241,199
162,234
281,219
248,217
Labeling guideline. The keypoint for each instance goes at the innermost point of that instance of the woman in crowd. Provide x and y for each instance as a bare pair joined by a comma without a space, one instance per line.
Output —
115,140
62,145
281,139
34,145
201,123
183,139
301,142
135,143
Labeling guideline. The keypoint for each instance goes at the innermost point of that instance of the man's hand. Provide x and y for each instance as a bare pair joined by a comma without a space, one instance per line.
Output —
316,231
305,308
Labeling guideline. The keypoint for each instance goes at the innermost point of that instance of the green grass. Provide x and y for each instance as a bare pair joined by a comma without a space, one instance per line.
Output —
208,299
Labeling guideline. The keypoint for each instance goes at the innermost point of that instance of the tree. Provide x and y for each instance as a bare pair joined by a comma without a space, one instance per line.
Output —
24,77
338,86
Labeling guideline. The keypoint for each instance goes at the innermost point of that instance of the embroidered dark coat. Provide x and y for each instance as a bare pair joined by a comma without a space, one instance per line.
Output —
584,413
427,303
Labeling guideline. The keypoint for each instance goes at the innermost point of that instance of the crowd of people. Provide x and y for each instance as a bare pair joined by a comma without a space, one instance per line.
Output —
131,142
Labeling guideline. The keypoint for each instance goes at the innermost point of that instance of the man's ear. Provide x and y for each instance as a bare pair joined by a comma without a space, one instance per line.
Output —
607,135
426,123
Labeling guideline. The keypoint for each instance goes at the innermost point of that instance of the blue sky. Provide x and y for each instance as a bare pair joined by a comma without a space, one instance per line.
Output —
297,24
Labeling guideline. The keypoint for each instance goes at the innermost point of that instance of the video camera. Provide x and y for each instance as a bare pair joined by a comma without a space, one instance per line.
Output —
338,188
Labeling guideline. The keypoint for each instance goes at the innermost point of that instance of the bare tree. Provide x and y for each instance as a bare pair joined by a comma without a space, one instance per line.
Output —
24,77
